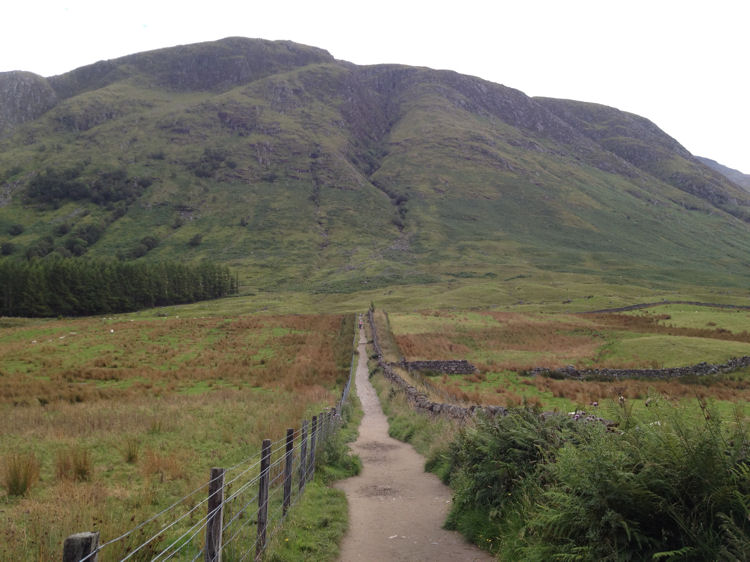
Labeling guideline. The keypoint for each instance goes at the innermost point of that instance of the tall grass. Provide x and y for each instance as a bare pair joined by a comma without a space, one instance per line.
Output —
20,472
124,423
74,464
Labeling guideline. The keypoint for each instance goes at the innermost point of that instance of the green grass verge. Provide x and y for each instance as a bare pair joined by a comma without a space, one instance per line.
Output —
317,524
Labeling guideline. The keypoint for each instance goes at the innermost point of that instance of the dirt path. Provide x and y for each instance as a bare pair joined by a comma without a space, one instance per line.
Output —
396,510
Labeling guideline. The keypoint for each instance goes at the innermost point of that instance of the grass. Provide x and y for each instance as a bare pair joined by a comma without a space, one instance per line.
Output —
111,455
318,523
503,344
20,472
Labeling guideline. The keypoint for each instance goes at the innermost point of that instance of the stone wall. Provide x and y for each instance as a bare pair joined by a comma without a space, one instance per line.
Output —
701,369
449,367
419,400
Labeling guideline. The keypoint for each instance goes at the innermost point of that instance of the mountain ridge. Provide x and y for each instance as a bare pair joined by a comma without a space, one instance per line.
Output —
317,174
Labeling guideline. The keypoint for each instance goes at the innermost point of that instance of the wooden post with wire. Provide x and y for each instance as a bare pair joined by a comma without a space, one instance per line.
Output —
215,520
81,546
313,437
265,462
303,458
288,462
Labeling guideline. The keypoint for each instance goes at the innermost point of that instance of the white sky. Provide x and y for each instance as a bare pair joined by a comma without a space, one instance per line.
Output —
681,63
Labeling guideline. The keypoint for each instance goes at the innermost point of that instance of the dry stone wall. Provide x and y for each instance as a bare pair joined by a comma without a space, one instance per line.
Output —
699,370
449,367
419,400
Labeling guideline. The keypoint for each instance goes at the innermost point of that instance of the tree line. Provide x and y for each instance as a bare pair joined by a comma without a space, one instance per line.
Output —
81,287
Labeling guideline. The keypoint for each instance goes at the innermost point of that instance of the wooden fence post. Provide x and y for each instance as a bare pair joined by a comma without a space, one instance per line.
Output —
313,435
79,546
289,461
265,462
321,428
303,458
215,520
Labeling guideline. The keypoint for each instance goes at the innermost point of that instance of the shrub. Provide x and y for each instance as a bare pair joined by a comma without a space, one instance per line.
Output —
664,487
20,472
489,462
669,483
15,229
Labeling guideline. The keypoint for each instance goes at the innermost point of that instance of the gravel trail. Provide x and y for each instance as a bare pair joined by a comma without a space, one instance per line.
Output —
396,510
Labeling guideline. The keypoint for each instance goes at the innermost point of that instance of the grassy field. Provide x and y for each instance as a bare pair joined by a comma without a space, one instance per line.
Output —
503,345
112,419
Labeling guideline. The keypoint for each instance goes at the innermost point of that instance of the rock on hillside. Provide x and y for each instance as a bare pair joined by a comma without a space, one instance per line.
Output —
214,65
24,96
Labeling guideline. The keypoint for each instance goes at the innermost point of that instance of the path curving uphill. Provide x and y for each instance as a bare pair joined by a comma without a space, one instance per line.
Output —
396,510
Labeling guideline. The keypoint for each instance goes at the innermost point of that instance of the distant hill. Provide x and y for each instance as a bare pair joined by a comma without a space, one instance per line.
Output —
741,179
309,173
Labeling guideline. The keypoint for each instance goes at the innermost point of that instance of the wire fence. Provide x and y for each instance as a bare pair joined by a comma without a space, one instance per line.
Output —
235,513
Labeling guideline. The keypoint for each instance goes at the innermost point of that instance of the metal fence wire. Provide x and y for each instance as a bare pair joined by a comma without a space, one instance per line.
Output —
235,513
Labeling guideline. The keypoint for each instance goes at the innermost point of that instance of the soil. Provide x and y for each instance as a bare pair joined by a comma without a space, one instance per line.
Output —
396,510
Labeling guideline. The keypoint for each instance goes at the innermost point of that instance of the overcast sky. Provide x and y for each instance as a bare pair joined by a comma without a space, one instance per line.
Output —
681,63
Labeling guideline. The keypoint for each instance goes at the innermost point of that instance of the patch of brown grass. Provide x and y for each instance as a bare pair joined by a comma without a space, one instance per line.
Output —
653,324
20,472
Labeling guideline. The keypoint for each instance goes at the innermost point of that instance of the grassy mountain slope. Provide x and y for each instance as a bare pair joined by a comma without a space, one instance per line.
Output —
312,174
743,180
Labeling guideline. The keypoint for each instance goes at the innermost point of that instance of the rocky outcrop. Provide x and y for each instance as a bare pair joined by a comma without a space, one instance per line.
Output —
24,96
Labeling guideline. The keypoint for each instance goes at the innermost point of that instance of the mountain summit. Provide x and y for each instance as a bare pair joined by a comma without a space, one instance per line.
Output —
310,173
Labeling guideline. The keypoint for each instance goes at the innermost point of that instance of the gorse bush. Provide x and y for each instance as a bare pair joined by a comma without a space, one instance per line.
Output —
667,484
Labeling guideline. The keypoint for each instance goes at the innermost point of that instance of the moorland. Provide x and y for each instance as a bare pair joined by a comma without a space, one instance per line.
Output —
479,223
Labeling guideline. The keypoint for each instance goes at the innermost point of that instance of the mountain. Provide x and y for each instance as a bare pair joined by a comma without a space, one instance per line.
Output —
309,173
741,179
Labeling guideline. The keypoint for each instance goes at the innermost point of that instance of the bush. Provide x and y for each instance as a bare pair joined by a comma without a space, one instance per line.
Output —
40,248
20,472
489,463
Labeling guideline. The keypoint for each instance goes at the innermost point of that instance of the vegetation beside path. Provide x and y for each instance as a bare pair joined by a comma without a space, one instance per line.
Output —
666,484
670,481
316,527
